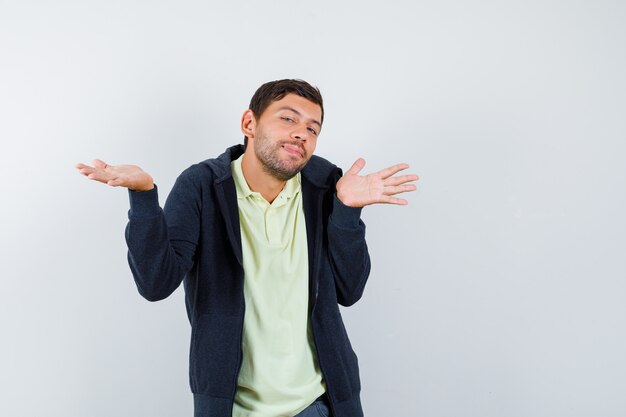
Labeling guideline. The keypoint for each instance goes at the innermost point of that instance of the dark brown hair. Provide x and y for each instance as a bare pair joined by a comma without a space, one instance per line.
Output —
276,90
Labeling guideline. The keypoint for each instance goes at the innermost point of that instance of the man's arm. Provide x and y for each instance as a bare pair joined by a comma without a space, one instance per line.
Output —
161,244
346,232
349,257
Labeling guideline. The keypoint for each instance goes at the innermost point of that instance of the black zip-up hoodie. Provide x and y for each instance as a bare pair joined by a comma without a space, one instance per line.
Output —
195,239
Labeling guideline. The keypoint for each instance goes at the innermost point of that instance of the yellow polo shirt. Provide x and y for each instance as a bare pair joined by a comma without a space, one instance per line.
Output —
279,374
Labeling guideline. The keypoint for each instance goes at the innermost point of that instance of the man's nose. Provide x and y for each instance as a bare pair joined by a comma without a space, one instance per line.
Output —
300,133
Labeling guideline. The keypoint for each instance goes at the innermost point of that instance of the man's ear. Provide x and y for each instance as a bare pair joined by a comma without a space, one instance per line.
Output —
248,124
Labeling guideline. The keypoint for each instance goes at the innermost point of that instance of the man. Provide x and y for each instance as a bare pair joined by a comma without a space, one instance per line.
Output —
267,239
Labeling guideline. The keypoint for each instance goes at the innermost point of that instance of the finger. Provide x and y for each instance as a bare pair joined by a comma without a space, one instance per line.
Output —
99,164
84,169
394,200
399,189
388,172
400,180
357,166
101,175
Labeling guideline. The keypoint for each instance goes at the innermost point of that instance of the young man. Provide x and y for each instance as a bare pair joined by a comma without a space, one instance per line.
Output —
267,240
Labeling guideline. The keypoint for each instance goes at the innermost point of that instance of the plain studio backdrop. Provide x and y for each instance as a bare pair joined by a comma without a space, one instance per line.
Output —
499,291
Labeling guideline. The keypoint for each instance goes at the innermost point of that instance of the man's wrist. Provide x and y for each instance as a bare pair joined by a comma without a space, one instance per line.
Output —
143,188
144,203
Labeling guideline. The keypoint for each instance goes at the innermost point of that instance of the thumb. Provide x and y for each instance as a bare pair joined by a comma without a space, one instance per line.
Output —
100,164
357,166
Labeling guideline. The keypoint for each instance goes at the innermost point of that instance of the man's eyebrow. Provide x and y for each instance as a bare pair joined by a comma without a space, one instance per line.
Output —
298,113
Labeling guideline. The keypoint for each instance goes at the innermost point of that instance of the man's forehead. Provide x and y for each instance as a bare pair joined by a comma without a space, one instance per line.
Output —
299,105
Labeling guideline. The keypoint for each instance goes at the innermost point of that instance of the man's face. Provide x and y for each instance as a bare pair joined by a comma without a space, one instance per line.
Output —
285,136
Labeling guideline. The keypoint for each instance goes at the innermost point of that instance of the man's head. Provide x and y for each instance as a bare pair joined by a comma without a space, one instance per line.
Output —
276,90
283,129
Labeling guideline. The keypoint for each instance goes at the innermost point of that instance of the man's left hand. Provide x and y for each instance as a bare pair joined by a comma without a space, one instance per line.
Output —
377,188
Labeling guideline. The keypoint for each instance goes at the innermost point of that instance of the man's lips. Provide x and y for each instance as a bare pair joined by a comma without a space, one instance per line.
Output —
293,150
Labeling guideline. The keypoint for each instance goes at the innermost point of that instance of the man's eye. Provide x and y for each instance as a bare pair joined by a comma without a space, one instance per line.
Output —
312,131
287,119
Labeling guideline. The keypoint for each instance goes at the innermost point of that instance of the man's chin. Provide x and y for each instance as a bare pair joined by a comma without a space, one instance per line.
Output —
284,173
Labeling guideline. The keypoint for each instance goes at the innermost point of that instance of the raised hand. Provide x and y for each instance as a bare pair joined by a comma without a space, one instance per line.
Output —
377,188
129,176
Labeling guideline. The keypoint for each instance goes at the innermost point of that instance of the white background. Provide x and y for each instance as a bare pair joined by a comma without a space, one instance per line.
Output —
499,291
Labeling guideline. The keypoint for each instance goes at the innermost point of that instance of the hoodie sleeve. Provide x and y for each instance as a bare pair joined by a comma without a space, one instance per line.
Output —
349,256
162,242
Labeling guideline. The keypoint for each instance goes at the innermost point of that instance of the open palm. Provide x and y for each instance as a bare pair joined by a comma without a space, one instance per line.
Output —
129,176
377,188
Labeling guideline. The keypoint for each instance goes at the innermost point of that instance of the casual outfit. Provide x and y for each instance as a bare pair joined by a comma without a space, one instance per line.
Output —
212,229
279,375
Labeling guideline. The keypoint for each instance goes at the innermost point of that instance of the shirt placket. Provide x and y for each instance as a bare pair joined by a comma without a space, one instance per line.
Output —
273,226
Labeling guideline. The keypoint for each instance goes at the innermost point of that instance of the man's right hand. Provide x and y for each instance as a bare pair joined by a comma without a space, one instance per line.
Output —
129,176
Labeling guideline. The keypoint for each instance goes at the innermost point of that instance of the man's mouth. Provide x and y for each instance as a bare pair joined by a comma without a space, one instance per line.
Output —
294,150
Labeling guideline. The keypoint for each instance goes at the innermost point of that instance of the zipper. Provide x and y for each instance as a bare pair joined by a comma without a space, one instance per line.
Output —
240,362
318,249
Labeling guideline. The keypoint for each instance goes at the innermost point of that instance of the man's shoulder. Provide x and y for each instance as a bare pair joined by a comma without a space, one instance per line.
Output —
213,168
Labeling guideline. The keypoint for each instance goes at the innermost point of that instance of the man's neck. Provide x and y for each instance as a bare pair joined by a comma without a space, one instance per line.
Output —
260,181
